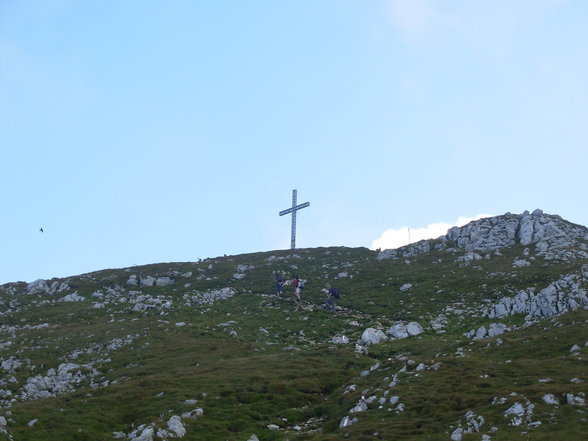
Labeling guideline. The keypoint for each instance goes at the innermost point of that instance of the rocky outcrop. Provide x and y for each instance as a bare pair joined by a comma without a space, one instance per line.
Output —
57,381
150,281
41,286
552,236
372,336
549,233
560,296
208,298
401,330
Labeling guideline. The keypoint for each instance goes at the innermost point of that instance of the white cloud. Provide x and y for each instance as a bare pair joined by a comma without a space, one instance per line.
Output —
394,238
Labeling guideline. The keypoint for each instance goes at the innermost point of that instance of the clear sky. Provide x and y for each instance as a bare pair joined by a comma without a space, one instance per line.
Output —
140,131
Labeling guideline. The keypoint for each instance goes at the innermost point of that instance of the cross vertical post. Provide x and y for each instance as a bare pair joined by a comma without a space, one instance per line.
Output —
293,211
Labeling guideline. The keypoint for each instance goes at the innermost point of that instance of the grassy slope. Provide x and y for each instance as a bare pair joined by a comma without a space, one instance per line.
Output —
248,381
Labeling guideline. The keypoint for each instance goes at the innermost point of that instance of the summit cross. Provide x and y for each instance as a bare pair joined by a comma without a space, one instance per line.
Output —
293,210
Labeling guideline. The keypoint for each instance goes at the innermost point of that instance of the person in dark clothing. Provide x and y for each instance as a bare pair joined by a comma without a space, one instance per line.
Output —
279,281
332,296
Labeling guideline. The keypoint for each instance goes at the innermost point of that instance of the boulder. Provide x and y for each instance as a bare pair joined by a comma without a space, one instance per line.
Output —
340,340
372,336
176,426
550,399
398,331
39,286
480,333
164,281
147,281
73,297
146,435
413,328
346,422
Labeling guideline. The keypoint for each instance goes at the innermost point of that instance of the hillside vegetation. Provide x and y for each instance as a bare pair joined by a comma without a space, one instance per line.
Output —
496,348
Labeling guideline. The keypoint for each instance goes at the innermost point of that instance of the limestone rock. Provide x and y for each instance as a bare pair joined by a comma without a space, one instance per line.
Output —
41,286
372,336
346,421
563,295
398,331
164,281
550,399
147,281
73,297
413,328
340,340
176,426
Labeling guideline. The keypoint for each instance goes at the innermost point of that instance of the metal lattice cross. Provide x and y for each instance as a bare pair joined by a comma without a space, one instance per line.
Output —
293,210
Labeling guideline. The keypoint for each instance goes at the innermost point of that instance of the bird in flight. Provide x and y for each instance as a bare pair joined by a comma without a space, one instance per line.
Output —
41,229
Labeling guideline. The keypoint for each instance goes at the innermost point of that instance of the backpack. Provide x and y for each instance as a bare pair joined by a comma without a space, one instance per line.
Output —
335,292
301,284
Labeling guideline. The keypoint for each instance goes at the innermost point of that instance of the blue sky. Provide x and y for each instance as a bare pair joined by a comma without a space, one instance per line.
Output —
139,132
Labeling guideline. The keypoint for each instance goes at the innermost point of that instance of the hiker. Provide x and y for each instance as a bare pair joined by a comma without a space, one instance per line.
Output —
279,280
298,287
332,296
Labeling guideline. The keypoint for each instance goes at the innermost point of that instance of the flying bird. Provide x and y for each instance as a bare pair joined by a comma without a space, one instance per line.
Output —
41,229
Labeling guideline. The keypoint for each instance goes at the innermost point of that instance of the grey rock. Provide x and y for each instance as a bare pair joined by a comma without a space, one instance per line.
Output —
372,336
413,328
361,406
145,435
198,412
164,281
560,296
147,281
340,340
572,399
176,426
73,297
398,331
550,399
346,422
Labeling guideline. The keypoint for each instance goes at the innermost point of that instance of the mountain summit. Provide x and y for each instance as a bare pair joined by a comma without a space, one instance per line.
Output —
478,334
551,236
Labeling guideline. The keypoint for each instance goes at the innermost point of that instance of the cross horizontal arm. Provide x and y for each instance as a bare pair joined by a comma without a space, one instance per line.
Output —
293,209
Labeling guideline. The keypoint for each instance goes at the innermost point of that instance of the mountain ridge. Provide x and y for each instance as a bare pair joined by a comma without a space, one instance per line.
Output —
478,334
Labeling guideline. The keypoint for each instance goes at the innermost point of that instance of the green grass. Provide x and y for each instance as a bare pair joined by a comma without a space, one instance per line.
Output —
292,374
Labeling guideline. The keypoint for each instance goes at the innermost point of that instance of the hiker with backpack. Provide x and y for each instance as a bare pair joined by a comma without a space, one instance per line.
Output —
332,296
279,281
298,287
